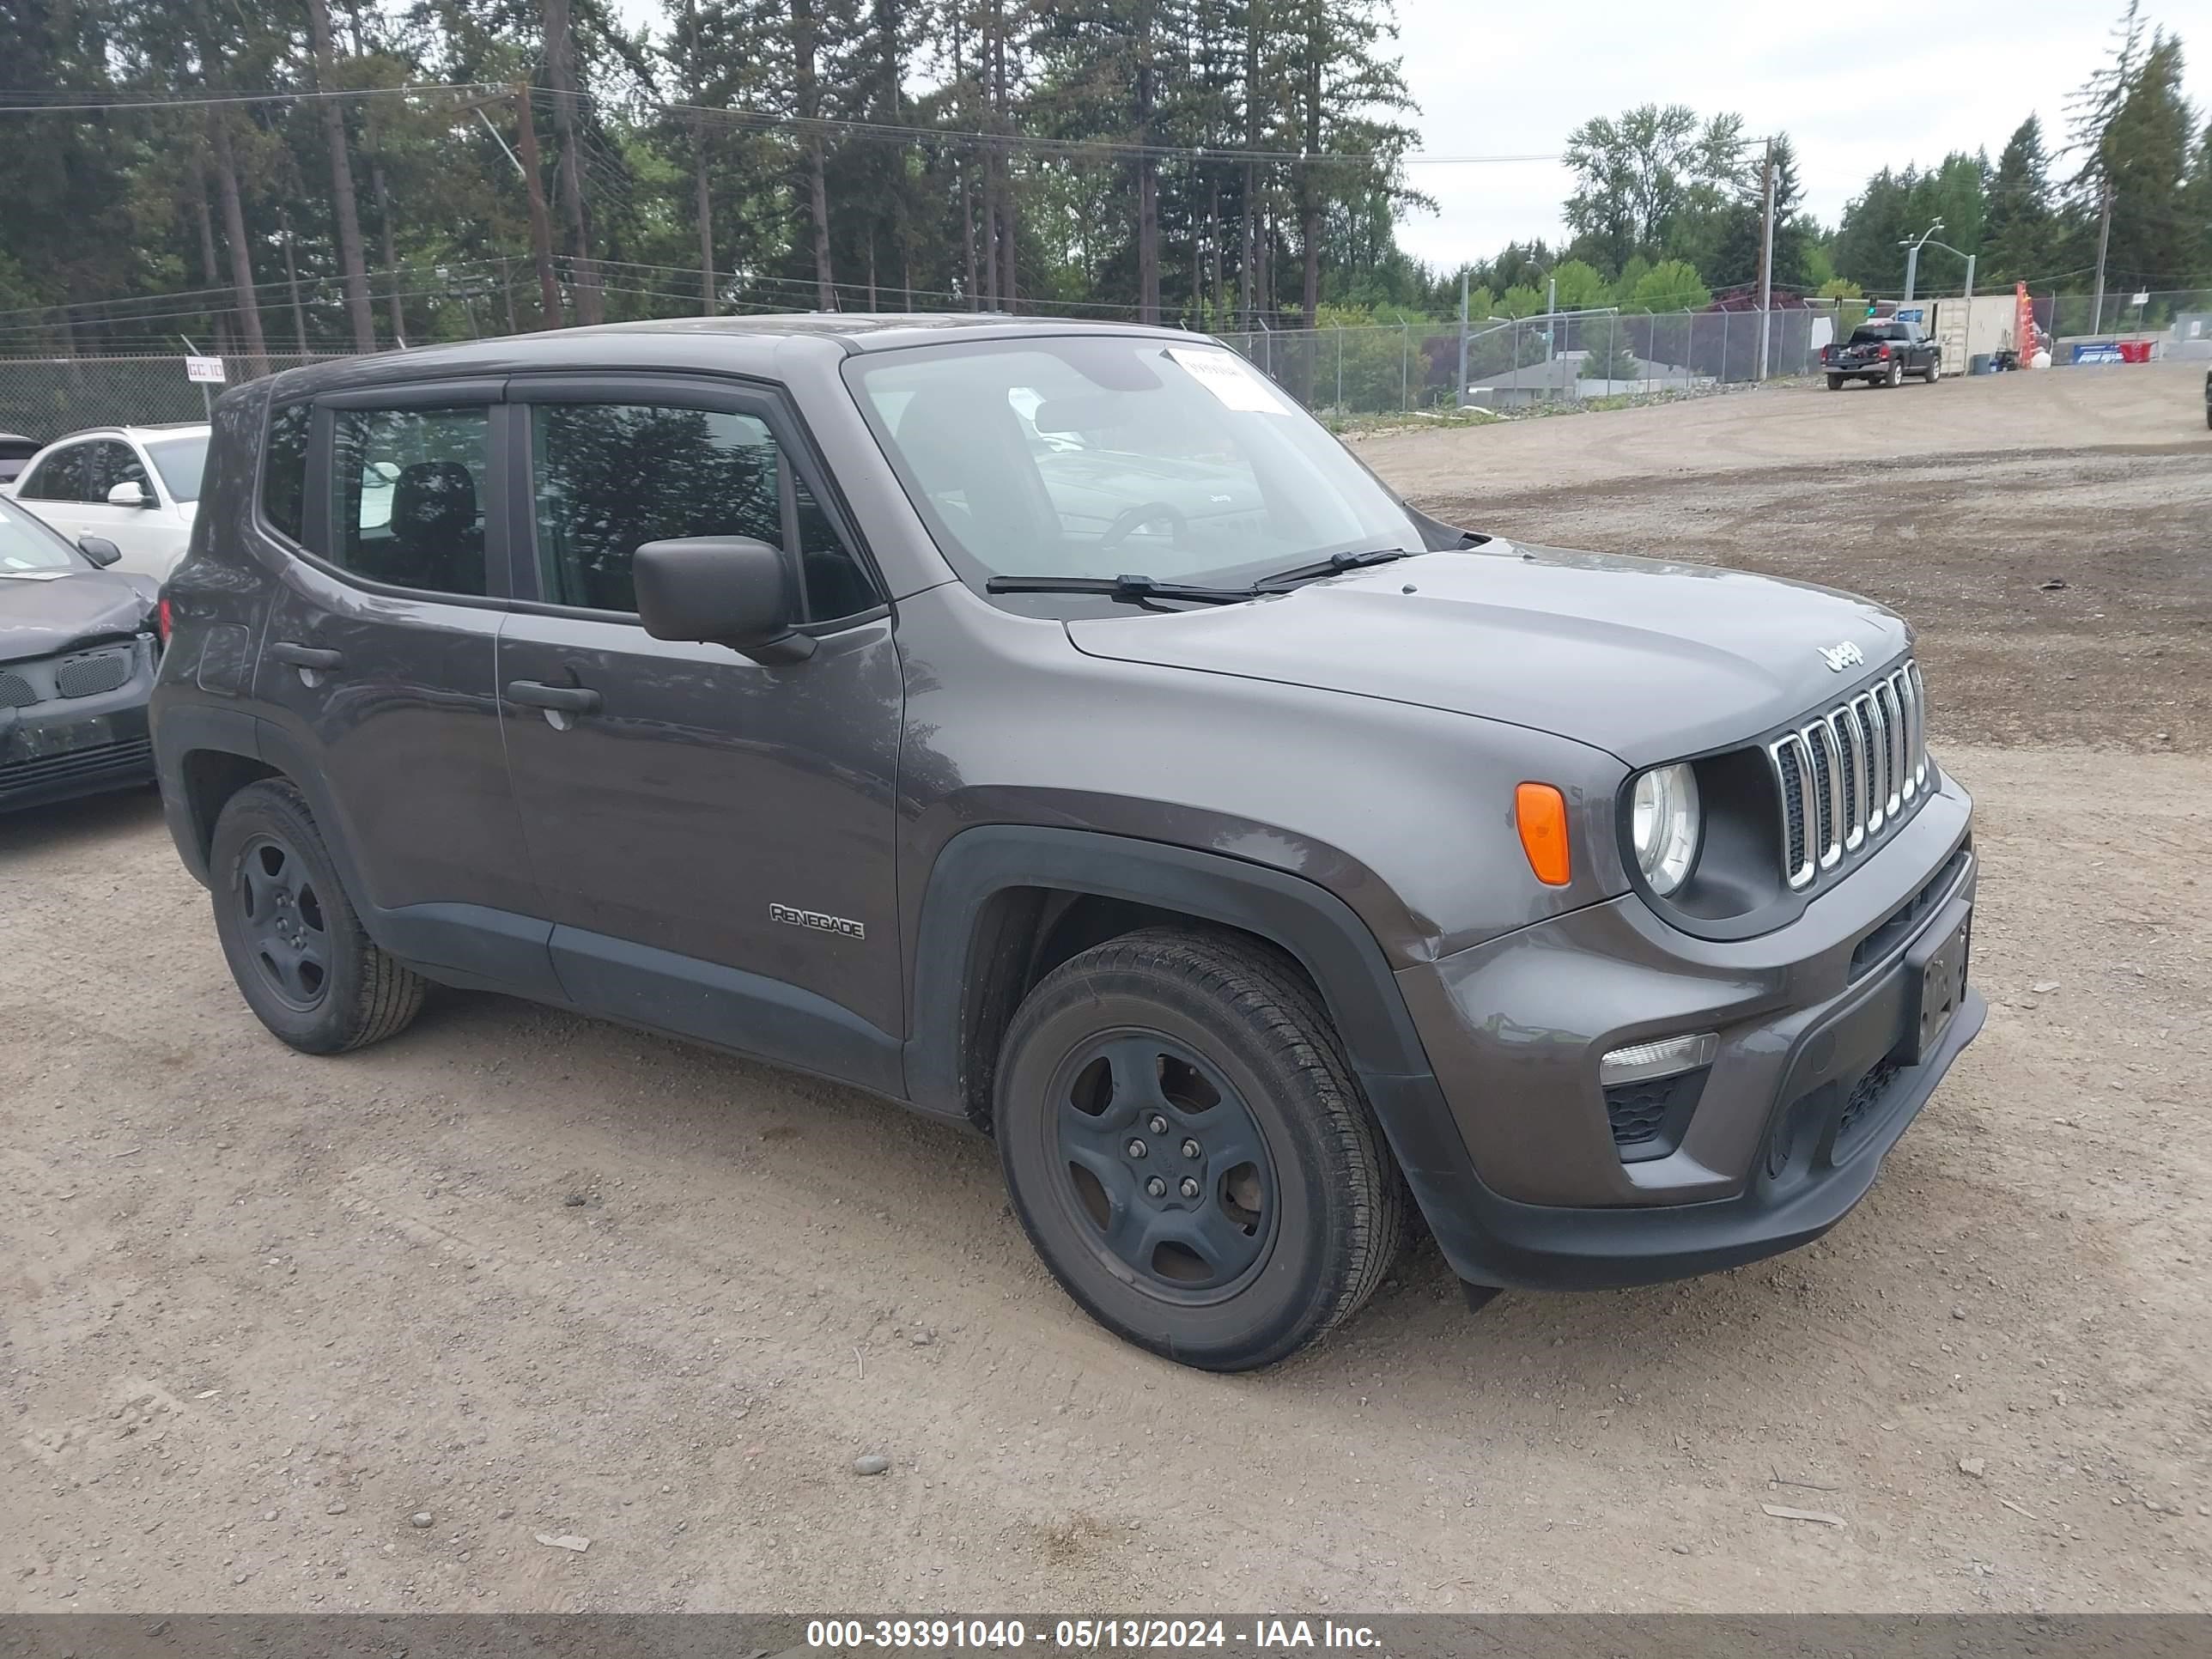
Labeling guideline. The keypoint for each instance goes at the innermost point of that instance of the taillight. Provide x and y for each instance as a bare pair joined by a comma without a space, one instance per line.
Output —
161,620
1885,351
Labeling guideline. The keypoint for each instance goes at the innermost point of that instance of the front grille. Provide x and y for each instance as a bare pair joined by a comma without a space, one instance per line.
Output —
17,692
85,677
1847,775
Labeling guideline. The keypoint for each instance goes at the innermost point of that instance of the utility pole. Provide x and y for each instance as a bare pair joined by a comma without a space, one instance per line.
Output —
2104,241
541,222
1459,391
1766,266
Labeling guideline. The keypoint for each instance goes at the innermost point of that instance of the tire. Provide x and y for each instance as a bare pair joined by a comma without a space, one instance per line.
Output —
1175,1041
296,948
1896,374
1935,369
1835,383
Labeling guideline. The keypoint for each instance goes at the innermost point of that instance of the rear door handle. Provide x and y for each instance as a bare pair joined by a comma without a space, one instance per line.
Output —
307,656
562,699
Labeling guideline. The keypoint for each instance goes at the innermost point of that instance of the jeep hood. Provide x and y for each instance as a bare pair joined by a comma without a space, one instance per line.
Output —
1648,660
45,611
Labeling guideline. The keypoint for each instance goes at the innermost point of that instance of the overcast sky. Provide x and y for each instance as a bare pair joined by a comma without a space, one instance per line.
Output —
1498,79
1493,78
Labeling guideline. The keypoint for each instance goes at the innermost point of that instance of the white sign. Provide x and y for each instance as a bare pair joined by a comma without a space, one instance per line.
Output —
1229,379
204,368
2142,296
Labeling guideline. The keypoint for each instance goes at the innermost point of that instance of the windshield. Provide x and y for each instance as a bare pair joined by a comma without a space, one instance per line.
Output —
1098,456
26,545
180,461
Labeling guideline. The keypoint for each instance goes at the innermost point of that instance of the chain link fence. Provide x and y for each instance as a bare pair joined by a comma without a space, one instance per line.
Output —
47,398
1504,365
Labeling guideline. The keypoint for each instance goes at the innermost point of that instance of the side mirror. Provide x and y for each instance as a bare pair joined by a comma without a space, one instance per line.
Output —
100,550
129,493
724,590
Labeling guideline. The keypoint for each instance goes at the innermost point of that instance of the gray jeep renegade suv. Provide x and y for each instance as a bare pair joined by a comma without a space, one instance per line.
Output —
1050,727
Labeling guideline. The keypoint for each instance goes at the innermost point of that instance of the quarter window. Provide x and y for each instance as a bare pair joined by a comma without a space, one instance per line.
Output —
407,496
610,477
284,471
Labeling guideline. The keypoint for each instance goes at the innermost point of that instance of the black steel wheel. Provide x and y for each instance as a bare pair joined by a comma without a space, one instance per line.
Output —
295,946
1188,1153
282,918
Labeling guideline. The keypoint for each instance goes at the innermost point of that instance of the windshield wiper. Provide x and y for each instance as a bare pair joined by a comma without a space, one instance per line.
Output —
1335,565
1129,589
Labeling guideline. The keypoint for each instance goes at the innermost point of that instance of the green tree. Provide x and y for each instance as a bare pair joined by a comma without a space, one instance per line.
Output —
2021,238
1642,177
1671,285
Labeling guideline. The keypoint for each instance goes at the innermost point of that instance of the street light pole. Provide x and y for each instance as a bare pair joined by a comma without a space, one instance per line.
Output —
1912,258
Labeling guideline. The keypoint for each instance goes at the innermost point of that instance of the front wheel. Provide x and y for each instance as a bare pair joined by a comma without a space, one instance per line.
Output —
1188,1153
1935,370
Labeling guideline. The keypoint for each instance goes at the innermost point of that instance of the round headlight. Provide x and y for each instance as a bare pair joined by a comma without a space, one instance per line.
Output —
1664,823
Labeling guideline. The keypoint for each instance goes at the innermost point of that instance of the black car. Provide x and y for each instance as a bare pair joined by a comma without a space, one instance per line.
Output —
15,449
1882,354
78,647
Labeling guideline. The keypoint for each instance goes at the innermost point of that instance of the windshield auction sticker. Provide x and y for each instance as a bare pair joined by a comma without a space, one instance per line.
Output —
1231,380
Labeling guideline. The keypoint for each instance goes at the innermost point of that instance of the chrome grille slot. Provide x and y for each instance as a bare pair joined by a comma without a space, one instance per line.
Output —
1845,776
1892,719
1826,755
1793,770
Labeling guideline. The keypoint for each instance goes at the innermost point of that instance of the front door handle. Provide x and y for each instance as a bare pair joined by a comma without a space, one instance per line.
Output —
561,699
316,657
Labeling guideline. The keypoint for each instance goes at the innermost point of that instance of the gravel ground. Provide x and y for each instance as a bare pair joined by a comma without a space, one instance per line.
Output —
278,1334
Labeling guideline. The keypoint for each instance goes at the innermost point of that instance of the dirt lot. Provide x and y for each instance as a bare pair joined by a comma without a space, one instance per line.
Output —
531,1275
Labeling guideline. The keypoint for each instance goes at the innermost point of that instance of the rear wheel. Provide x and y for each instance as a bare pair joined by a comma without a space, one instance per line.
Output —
1835,383
300,957
1188,1153
1896,376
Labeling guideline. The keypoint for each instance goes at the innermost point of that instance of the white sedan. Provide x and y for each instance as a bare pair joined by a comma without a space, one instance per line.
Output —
138,486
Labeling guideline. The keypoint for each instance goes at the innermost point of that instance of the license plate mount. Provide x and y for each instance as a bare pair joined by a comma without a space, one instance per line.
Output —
1939,968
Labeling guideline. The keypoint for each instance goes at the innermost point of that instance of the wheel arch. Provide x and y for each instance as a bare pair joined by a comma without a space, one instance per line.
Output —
1004,904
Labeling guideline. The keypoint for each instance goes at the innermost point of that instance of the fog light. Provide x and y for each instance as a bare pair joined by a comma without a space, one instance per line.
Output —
1664,1058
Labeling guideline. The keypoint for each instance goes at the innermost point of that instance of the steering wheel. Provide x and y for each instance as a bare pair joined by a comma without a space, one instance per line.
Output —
1128,523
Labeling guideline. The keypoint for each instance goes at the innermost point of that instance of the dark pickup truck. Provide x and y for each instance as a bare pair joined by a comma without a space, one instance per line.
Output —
1882,354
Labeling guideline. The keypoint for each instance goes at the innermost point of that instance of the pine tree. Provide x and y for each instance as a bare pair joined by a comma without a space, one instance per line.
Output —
2019,241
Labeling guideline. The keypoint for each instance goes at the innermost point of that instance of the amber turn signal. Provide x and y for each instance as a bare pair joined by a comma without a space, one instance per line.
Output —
1540,812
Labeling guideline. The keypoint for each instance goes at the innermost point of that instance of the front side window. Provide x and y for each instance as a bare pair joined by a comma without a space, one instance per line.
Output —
59,477
609,478
407,496
108,464
1098,456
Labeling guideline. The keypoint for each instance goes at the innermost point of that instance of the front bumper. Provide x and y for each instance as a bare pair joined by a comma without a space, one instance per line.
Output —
1819,1072
58,748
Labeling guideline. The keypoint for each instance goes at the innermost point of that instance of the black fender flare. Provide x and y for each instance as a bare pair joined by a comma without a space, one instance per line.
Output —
1323,933
1320,929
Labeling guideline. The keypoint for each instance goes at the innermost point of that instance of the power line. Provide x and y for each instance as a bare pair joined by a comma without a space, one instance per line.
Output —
20,103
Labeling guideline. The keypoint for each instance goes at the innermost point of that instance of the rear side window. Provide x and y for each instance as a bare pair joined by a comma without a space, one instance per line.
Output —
107,464
407,496
612,477
284,471
59,477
